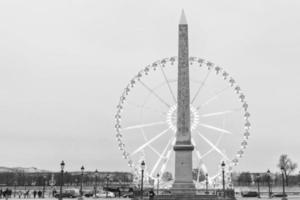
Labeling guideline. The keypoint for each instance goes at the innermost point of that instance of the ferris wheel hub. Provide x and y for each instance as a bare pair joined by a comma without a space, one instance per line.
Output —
171,117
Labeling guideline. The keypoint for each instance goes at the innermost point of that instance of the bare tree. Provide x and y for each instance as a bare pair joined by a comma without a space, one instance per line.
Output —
287,165
167,176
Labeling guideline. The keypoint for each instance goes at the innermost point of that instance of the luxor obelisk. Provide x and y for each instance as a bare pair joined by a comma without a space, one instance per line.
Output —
183,147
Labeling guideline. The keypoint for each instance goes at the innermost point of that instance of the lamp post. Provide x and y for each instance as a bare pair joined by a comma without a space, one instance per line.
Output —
107,179
157,189
44,185
62,166
283,183
52,183
299,178
96,180
206,183
15,184
269,182
223,177
142,180
81,181
258,189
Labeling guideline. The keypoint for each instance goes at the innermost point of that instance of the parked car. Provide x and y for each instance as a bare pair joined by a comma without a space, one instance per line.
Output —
102,194
165,192
88,193
249,194
279,195
128,195
68,193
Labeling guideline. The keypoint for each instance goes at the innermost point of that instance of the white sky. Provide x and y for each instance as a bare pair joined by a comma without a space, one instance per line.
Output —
63,65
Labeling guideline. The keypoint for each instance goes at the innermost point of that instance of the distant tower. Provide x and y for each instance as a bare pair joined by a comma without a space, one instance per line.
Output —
183,147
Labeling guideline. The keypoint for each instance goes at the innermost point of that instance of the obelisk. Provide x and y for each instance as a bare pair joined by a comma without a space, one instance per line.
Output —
183,147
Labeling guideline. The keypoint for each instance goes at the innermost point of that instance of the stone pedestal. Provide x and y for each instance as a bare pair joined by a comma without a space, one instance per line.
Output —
183,183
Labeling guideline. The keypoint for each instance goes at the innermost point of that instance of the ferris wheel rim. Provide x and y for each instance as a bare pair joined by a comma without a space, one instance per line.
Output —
211,67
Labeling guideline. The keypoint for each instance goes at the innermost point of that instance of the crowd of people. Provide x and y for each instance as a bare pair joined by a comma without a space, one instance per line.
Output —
5,193
8,193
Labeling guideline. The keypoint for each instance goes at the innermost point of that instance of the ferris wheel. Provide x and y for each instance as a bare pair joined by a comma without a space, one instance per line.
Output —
145,120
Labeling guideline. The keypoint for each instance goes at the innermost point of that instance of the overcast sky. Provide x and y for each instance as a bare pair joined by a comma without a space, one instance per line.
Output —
63,65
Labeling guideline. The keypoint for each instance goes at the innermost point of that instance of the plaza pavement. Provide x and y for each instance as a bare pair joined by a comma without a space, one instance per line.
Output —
238,198
266,198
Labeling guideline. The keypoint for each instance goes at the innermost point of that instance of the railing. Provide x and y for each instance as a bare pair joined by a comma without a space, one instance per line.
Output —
218,192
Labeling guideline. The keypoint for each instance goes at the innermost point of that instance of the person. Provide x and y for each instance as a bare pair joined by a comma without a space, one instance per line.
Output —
34,194
53,192
151,194
119,192
9,193
40,194
26,194
6,193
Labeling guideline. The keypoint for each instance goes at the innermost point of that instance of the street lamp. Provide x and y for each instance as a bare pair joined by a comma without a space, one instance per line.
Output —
96,180
107,179
269,182
82,170
157,175
283,183
258,189
15,184
223,177
62,166
206,183
44,185
299,178
52,182
142,180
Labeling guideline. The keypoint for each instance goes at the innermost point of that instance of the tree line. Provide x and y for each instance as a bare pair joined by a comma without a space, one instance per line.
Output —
275,179
20,178
286,171
69,178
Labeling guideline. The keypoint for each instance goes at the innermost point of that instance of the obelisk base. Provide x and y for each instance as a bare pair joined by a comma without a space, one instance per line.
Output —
183,183
183,188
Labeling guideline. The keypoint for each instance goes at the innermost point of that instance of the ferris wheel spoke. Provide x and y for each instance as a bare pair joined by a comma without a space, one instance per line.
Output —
204,169
197,150
144,125
150,146
215,176
164,166
201,86
168,84
211,99
215,128
150,141
220,113
207,153
213,146
161,156
203,166
155,94
212,149
154,150
201,163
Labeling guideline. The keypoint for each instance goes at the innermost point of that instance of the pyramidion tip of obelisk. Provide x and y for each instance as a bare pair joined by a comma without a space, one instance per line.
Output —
182,18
